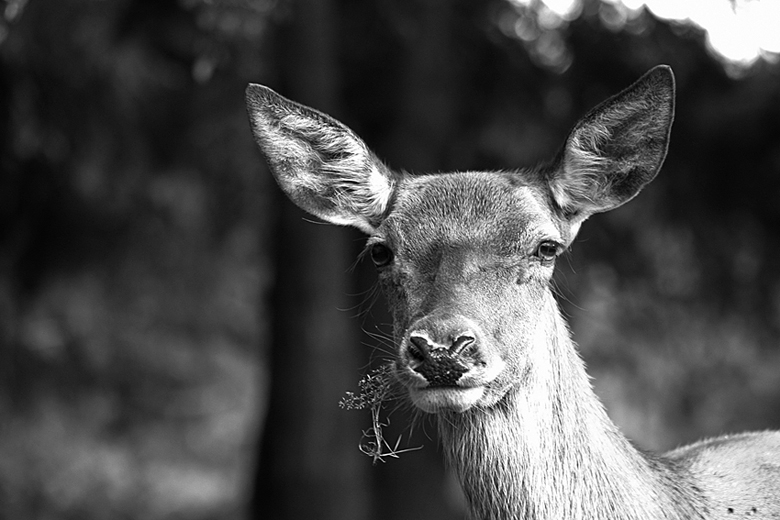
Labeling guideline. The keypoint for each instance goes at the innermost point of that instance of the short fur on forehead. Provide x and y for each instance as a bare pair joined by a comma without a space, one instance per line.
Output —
475,208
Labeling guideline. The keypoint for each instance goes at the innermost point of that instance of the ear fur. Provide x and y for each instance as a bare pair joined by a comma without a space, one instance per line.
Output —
617,148
318,162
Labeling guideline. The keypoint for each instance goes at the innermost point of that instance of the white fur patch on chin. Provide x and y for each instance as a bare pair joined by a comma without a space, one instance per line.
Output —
440,399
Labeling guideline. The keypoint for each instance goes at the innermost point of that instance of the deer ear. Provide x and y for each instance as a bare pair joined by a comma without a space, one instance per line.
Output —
319,163
617,148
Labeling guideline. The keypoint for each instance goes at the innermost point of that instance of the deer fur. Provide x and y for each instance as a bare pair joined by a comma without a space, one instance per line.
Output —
465,260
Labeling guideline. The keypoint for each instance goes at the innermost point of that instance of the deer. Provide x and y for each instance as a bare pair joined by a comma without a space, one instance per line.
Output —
465,260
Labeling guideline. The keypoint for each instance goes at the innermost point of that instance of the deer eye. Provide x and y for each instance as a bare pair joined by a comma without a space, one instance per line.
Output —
547,251
381,255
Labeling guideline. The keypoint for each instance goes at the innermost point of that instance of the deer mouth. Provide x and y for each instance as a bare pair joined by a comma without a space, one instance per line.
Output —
450,384
435,399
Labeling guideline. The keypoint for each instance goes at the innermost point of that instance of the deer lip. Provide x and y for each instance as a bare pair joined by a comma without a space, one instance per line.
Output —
429,397
435,399
433,386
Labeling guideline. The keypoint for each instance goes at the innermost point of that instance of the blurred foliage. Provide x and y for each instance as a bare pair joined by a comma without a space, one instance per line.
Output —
130,226
136,229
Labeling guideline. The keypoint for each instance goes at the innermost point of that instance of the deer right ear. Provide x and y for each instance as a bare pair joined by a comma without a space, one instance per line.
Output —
318,162
616,149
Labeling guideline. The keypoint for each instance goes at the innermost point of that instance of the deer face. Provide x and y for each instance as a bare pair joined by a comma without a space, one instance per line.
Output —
465,262
465,259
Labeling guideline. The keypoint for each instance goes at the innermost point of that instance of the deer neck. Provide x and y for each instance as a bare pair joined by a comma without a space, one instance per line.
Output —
549,451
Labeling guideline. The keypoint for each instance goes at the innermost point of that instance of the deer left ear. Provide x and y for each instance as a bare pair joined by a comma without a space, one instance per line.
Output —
320,164
616,149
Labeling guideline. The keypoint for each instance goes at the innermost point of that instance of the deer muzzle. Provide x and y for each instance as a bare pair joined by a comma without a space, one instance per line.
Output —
440,365
445,363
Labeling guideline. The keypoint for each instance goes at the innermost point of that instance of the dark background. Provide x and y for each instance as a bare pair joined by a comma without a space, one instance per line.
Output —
175,337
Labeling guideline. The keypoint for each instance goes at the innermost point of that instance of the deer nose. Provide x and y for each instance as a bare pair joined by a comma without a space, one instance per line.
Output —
423,348
441,364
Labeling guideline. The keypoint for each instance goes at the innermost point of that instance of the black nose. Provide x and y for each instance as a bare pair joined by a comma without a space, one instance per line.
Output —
439,364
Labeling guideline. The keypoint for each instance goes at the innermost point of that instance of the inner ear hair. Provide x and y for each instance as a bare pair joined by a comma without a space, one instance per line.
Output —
616,149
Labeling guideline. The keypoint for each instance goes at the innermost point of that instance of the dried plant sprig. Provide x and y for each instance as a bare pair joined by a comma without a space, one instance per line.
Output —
374,444
374,390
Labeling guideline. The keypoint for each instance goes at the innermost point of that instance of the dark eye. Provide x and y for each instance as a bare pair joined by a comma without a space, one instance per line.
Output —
547,251
381,255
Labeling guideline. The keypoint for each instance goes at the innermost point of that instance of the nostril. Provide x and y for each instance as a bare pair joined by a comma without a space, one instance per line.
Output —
461,343
419,348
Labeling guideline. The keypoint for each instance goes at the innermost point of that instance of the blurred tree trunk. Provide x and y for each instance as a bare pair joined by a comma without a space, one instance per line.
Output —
309,465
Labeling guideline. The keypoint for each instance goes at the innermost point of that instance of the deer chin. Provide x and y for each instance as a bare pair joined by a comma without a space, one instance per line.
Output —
446,398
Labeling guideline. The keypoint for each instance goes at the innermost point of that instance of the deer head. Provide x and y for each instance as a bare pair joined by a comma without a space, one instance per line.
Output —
465,259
